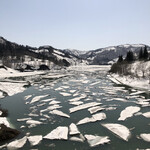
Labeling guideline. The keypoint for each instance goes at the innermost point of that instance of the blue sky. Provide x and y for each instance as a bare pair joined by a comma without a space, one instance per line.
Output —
76,24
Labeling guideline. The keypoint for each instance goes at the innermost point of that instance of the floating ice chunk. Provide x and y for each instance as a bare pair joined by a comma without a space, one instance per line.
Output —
54,102
17,143
3,120
111,108
51,108
83,106
37,98
94,118
72,91
33,115
96,140
95,83
128,112
58,89
77,98
76,103
33,122
136,93
145,137
58,133
147,114
73,129
35,140
95,109
27,97
3,146
77,139
59,113
24,119
118,129
65,94
47,100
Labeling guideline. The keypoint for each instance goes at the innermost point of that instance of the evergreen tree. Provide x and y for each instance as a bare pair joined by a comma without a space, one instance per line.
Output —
120,59
130,56
141,54
145,53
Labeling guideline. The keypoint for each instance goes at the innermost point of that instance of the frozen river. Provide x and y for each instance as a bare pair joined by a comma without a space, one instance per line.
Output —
87,99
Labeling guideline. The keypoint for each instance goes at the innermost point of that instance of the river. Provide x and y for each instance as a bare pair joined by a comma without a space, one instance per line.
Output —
94,86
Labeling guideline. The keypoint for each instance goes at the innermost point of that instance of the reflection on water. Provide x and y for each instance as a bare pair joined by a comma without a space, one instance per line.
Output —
91,87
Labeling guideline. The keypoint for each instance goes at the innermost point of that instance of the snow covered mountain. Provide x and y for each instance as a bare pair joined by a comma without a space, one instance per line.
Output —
110,54
66,57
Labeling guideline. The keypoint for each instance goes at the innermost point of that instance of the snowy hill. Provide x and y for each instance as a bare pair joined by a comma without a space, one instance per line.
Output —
110,54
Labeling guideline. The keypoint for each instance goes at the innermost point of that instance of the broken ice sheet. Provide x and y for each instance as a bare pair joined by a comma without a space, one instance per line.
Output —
65,94
73,129
54,102
77,139
94,118
95,109
35,140
76,103
60,133
96,140
59,113
83,106
128,112
27,97
147,114
77,98
145,137
17,143
37,98
119,130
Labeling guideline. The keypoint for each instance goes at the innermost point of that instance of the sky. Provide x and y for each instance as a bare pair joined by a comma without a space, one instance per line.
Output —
75,24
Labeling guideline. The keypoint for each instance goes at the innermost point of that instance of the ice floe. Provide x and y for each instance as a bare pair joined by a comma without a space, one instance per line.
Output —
73,129
17,143
56,106
65,94
83,106
145,137
77,98
37,98
147,114
59,113
54,102
77,139
118,129
33,122
35,140
27,97
24,119
96,140
60,133
94,118
76,103
95,109
128,112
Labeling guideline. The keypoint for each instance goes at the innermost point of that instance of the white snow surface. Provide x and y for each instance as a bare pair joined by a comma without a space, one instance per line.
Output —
60,133
17,143
128,112
35,140
120,130
96,140
3,120
73,129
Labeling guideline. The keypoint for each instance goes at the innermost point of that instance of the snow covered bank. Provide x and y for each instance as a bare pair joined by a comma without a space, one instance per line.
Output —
138,83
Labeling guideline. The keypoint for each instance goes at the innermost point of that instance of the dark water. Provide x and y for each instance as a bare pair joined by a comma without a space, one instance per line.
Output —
104,91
